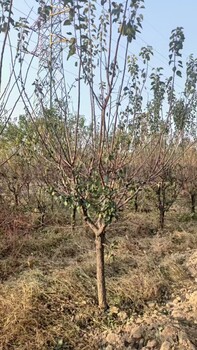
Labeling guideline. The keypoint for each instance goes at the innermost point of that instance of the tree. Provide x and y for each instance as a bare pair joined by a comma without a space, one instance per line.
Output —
100,160
167,191
188,176
92,160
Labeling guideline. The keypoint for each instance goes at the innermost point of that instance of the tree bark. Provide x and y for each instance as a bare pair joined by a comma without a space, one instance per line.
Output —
16,199
161,205
100,265
73,217
193,203
161,217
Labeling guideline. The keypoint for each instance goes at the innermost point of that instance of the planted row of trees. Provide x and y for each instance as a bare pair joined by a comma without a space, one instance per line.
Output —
99,164
29,180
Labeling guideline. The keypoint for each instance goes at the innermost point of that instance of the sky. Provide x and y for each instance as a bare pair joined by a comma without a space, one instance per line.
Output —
160,17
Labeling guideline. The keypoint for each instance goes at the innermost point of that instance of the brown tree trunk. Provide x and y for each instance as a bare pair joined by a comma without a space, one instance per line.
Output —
193,203
73,217
161,218
16,199
136,202
161,205
100,265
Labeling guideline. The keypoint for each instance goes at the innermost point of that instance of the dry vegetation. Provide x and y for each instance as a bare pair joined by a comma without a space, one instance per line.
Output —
106,181
48,284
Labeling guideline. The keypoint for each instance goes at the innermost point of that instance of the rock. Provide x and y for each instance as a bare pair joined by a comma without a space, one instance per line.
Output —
138,321
137,332
109,347
177,314
113,338
187,296
151,304
169,333
170,304
122,315
191,347
165,346
182,338
184,341
114,310
177,300
151,344
133,335
141,343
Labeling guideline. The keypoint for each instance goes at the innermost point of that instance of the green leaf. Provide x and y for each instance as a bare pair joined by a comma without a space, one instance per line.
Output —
178,72
67,22
72,50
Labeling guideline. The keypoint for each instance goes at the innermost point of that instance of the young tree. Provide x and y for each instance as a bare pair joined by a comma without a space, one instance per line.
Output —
188,176
167,191
93,161
15,173
100,160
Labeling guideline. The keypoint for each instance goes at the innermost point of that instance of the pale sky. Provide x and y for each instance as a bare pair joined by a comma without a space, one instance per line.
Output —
160,17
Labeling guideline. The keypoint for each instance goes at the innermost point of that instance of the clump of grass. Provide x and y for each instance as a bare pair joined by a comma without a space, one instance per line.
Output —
187,217
183,240
39,311
58,245
18,322
173,270
134,290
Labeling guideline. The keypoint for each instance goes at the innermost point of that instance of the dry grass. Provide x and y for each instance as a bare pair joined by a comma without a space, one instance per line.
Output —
38,311
48,290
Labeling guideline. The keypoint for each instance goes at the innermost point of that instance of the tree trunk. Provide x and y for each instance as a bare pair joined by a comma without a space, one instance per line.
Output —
161,205
193,203
73,217
100,265
136,202
52,204
161,217
16,199
42,219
